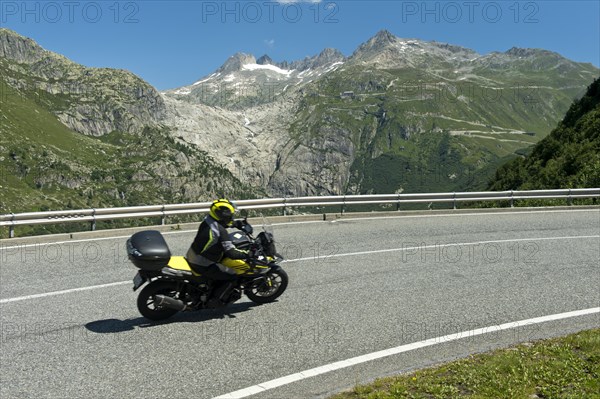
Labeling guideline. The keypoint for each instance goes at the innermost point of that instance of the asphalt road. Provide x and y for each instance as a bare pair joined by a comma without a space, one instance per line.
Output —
356,287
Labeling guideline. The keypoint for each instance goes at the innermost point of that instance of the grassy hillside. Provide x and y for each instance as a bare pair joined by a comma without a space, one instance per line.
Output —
568,158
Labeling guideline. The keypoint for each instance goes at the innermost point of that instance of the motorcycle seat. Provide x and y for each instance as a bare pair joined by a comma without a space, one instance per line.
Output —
180,263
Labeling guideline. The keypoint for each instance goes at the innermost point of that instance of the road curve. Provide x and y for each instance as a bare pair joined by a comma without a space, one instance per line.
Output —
70,327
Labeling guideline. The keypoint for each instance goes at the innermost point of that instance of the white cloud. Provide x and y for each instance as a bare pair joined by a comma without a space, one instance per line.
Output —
270,43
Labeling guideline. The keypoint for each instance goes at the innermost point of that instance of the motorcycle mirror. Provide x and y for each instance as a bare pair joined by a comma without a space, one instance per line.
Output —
247,228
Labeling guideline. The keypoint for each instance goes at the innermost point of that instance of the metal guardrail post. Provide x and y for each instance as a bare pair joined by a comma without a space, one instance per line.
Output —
398,203
93,223
284,207
512,200
344,205
11,229
164,216
569,199
454,200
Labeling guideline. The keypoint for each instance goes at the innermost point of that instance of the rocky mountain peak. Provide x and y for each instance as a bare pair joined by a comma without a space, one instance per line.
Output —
328,56
265,60
375,45
236,61
384,36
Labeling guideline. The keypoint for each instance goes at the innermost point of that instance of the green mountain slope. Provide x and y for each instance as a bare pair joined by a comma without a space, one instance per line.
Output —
416,131
44,165
568,158
125,156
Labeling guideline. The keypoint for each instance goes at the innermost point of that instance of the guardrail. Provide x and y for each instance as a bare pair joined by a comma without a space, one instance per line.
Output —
163,211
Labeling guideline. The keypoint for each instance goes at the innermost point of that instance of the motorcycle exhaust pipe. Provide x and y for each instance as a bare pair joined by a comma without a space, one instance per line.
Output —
168,302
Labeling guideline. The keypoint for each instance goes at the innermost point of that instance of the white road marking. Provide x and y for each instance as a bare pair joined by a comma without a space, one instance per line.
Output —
291,378
2,247
68,291
421,247
34,296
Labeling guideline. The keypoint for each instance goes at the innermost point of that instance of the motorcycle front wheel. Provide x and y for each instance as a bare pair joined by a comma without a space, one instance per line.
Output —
146,304
269,288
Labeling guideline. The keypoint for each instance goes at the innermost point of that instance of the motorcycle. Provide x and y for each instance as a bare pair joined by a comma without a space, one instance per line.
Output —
173,286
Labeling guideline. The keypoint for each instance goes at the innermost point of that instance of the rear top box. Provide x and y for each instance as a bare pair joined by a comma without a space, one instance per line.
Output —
148,250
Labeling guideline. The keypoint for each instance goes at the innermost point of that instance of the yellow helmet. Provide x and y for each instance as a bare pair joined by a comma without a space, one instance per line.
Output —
222,210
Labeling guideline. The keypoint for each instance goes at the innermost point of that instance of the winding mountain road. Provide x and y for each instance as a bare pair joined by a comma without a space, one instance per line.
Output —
70,327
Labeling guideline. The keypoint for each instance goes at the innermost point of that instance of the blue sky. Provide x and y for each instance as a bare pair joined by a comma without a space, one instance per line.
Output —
174,43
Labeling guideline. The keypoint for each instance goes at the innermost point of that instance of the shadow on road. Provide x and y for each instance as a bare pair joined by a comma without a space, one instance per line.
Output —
111,326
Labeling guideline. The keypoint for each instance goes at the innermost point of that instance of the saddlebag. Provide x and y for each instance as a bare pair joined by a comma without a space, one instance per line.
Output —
148,250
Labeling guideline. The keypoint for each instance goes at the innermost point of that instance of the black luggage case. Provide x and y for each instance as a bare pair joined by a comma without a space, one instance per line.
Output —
148,250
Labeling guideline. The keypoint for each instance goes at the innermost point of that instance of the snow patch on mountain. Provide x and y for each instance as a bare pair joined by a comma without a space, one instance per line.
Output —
204,80
254,67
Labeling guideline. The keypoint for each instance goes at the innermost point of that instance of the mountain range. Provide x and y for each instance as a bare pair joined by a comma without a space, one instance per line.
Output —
397,115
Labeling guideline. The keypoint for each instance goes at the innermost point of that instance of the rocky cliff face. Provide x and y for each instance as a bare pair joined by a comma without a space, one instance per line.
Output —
248,143
236,62
21,49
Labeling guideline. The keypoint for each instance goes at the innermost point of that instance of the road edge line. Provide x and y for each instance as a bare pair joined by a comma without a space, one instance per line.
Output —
305,374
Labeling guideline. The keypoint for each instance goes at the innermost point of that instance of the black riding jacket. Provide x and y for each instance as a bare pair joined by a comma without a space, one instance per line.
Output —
212,244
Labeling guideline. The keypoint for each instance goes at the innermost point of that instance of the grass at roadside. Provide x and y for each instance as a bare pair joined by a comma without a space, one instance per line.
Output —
566,367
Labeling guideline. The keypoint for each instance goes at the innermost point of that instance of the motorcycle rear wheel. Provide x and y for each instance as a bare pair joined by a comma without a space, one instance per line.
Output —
145,301
265,291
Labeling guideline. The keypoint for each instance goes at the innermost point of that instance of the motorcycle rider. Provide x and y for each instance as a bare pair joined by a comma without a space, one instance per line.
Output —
211,245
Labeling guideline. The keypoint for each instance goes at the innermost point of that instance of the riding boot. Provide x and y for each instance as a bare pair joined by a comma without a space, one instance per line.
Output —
226,291
220,295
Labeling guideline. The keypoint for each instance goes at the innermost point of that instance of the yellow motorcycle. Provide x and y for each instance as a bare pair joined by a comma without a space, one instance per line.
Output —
173,286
